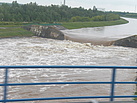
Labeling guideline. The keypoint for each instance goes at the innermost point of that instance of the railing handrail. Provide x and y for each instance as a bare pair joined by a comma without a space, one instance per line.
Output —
112,82
68,66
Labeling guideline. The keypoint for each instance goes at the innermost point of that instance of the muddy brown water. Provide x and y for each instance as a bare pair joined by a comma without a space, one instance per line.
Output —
102,35
42,51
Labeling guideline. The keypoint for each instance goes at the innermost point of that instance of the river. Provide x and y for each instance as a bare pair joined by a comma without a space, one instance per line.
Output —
42,51
103,35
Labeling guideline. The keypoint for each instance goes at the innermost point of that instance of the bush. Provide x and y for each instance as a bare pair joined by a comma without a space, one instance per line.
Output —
106,17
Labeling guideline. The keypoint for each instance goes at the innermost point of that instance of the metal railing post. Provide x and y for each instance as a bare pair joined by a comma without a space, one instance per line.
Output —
113,84
5,85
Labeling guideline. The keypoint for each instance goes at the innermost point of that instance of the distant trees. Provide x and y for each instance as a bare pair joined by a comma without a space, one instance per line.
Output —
32,12
125,14
105,17
79,19
132,15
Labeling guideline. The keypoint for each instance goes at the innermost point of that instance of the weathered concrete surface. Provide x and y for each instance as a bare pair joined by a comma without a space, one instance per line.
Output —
127,42
52,32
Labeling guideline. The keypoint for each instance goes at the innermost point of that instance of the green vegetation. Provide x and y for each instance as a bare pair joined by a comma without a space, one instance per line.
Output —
104,17
14,15
10,29
135,98
11,24
35,13
14,32
126,14
76,25
131,15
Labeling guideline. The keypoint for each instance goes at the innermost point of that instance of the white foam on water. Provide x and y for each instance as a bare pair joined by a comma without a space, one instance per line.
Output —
42,51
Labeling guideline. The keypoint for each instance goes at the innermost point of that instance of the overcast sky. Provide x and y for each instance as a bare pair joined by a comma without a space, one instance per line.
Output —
113,5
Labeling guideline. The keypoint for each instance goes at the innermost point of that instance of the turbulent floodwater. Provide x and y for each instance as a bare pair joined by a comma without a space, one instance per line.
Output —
42,51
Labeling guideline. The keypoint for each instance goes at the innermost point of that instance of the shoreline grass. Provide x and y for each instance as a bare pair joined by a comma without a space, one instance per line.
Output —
77,25
11,30
11,26
14,32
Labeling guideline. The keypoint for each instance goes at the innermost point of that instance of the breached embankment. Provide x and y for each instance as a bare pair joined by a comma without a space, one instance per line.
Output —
127,42
54,32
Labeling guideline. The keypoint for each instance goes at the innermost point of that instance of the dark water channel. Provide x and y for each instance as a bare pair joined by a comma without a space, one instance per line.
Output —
103,35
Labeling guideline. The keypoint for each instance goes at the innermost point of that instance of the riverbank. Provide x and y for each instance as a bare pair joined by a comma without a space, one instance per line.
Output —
77,25
15,30
6,32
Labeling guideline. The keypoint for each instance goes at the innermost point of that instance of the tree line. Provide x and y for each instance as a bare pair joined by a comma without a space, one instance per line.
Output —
125,14
32,12
104,17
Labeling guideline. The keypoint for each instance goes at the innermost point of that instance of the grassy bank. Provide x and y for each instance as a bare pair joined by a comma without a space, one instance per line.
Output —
76,25
14,32
11,24
11,29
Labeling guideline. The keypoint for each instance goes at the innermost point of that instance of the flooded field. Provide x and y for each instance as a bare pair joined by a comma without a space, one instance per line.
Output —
42,51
